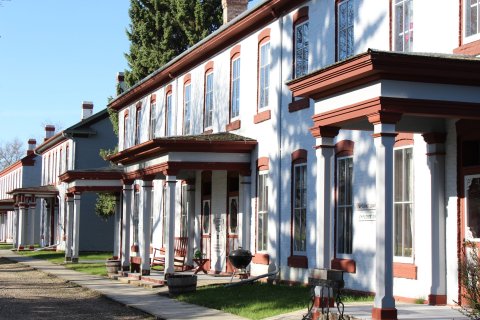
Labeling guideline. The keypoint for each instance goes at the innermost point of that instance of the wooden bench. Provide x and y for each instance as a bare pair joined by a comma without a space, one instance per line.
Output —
179,257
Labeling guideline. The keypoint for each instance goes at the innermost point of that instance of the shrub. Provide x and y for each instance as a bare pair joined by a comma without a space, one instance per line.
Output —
469,269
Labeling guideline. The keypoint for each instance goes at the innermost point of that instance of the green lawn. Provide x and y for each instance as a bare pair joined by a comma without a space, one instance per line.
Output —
256,301
6,246
94,267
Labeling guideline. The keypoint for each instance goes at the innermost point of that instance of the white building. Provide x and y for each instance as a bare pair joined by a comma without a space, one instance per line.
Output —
218,146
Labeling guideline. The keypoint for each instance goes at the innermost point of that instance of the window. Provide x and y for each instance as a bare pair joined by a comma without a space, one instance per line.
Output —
262,207
153,116
264,74
345,19
136,210
67,157
300,208
301,42
169,129
235,88
187,102
472,13
208,100
184,212
403,202
137,124
344,205
125,130
403,25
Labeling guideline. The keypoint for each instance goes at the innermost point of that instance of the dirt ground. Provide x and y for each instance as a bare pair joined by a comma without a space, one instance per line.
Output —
29,294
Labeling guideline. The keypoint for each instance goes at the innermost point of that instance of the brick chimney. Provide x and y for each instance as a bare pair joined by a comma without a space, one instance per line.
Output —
32,143
232,8
87,109
49,131
121,85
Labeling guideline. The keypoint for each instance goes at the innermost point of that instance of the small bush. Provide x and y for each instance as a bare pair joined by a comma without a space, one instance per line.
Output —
469,269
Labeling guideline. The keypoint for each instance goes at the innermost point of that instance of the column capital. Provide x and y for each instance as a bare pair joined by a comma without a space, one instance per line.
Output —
128,182
384,117
325,131
434,137
170,179
147,183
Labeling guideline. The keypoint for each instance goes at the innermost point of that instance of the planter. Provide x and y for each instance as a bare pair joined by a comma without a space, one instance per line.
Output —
113,266
181,283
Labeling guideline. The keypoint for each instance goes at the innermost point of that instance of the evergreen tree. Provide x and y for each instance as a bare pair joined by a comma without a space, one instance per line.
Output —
162,29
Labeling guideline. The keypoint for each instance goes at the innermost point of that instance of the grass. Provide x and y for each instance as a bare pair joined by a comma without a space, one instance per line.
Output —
6,246
93,267
256,301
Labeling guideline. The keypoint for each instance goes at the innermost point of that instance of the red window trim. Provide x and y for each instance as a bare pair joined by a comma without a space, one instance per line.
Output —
153,98
471,48
299,156
405,270
187,79
262,116
295,261
263,37
344,148
234,125
261,258
234,54
263,163
299,17
347,265
403,139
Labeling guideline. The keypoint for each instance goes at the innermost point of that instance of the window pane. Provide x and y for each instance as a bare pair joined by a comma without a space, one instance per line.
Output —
262,225
344,205
408,232
398,174
398,229
301,50
473,208
186,120
235,107
264,75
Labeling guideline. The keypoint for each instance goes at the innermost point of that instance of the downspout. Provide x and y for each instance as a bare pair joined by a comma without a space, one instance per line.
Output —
279,147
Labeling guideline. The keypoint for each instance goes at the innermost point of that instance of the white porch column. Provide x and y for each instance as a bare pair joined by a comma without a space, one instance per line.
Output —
31,224
246,211
126,212
22,225
436,163
384,139
170,223
77,198
69,228
16,222
145,224
2,228
117,227
325,143
46,223
190,221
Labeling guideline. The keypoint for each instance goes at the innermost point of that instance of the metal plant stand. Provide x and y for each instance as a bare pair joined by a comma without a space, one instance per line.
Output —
326,285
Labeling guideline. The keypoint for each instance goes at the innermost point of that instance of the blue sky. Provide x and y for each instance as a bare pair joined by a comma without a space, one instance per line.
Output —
54,54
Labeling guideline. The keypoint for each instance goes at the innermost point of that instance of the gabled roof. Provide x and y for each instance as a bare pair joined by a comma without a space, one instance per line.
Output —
80,129
28,160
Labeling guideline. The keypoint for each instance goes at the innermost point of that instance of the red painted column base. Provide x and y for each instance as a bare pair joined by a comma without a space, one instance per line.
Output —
384,314
437,300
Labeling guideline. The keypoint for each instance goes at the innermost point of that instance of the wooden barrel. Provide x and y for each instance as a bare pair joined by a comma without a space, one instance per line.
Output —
181,283
113,266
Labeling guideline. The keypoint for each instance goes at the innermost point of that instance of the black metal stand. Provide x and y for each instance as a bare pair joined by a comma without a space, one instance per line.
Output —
328,289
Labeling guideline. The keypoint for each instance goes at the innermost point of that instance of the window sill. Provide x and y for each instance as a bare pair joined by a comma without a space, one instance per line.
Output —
297,105
261,258
262,116
405,270
471,48
347,265
234,125
208,131
297,262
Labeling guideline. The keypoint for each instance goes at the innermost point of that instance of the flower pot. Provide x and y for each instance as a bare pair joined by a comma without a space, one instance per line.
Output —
181,283
113,266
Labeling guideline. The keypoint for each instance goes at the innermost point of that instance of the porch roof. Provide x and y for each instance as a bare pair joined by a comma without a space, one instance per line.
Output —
203,143
93,180
40,191
408,87
6,204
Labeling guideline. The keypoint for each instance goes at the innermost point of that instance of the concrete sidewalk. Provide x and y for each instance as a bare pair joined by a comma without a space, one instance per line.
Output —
150,301
140,298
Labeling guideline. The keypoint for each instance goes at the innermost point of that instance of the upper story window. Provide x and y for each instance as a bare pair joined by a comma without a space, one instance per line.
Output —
67,157
472,13
403,25
125,130
153,116
208,110
301,43
345,21
169,122
300,205
264,73
187,105
138,120
235,86
403,202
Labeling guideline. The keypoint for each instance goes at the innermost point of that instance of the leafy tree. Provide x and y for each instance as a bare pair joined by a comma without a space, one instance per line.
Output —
162,29
11,152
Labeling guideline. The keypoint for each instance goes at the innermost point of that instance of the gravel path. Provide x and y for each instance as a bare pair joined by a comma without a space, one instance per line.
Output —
29,294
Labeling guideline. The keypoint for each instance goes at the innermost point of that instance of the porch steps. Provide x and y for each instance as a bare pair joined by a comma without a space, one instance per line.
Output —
139,281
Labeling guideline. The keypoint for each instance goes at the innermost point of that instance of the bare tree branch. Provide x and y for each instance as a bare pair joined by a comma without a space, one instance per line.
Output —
10,152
